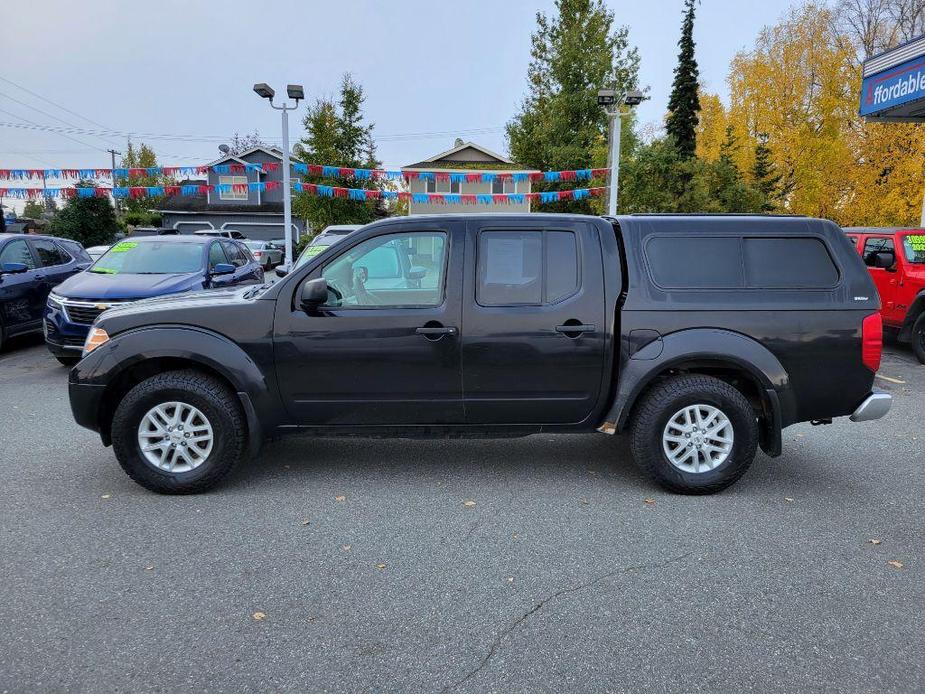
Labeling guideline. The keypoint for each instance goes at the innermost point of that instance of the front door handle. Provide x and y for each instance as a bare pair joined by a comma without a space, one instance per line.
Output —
575,329
435,331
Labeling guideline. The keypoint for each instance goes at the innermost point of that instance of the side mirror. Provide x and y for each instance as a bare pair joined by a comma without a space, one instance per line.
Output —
282,270
223,269
885,259
313,294
416,272
13,268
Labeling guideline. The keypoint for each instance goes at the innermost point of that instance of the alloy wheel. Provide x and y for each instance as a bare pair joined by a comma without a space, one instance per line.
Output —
175,437
697,438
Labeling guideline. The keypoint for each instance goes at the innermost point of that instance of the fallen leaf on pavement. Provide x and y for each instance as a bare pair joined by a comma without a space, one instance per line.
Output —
510,579
585,502
468,503
895,564
346,548
874,541
106,496
259,616
650,502
149,568
340,498
380,566
306,522
515,535
788,498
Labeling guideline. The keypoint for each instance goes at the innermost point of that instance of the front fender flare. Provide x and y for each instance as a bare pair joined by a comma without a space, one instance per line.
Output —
256,389
702,347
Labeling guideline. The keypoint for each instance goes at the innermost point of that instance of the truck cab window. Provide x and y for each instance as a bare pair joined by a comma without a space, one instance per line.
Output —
526,267
394,270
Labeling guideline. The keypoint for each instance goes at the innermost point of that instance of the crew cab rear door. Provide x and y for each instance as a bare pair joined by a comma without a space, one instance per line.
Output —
533,330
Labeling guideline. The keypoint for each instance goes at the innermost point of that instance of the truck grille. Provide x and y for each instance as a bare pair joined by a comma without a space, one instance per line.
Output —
86,312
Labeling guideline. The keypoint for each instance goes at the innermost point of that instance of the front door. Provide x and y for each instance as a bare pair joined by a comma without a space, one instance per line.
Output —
384,349
22,294
886,279
533,323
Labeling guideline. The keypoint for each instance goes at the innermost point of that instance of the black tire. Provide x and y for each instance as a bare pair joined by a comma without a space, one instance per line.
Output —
211,397
669,397
67,361
918,339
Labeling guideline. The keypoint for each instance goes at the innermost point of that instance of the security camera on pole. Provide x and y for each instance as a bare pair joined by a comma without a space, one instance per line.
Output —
296,93
608,99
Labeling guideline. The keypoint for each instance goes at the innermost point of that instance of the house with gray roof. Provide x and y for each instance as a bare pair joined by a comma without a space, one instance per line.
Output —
256,213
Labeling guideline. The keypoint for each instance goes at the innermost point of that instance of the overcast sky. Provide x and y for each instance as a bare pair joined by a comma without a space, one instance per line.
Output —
432,71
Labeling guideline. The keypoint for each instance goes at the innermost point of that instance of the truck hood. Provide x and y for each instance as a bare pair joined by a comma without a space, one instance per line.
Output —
97,285
199,308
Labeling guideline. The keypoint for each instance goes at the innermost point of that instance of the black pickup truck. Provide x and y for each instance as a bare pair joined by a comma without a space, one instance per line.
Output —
701,336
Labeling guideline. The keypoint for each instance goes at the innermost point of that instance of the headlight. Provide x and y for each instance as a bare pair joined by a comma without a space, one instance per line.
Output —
97,337
55,300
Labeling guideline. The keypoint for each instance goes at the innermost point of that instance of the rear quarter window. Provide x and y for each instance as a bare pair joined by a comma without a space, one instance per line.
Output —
788,263
731,262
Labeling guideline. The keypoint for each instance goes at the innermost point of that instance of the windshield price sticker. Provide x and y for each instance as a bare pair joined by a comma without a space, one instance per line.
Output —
123,246
312,251
916,242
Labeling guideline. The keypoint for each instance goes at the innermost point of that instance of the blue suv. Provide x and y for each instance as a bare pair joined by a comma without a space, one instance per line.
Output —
29,267
141,268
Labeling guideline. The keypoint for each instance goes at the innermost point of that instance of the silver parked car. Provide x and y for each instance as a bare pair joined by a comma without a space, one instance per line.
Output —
265,253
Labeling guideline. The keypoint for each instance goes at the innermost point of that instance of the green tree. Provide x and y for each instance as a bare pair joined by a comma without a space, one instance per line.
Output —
684,102
764,175
91,221
138,210
337,134
727,190
34,209
560,124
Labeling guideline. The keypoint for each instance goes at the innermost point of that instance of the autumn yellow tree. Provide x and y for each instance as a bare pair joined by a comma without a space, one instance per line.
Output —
798,89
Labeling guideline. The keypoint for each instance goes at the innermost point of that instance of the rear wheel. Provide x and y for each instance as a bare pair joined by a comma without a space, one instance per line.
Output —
694,434
918,339
179,432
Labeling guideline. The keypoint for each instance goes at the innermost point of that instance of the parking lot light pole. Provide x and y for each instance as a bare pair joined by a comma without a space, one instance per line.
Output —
296,93
605,98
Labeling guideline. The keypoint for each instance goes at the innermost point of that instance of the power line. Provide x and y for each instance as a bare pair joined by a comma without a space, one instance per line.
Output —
41,127
44,113
57,105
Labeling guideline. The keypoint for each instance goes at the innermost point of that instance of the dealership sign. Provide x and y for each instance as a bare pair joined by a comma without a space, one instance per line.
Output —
894,84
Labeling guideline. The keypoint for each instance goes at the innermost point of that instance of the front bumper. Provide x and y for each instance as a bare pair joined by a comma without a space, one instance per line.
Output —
875,406
85,403
63,337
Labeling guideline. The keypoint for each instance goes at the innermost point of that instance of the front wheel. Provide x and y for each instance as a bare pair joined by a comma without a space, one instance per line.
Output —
918,339
694,434
180,432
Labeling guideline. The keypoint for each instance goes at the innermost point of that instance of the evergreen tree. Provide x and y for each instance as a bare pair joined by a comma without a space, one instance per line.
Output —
91,221
728,191
137,211
337,134
560,125
684,102
34,209
763,173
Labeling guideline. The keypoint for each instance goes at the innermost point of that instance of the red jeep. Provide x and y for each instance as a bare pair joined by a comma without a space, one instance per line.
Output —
896,261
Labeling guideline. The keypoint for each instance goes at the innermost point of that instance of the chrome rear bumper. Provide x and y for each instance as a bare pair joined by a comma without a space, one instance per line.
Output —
875,406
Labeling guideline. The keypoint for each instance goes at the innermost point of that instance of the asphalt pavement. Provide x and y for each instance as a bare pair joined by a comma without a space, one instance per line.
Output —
539,564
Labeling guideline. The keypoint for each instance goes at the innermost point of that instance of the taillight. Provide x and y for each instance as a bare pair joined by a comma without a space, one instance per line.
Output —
872,341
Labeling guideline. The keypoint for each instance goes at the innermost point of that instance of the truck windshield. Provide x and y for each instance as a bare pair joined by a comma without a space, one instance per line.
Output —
150,258
914,245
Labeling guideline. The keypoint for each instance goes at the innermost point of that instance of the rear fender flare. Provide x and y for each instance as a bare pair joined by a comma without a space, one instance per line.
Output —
708,347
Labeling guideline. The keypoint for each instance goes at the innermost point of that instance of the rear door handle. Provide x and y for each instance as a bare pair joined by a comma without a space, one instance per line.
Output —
436,331
575,330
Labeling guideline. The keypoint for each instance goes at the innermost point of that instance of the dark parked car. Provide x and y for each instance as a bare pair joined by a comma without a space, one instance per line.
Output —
141,268
701,336
29,267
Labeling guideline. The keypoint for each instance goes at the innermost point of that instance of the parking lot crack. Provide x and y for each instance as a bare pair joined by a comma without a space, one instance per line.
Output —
496,644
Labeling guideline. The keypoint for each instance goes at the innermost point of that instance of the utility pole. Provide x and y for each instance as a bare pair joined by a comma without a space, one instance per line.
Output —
112,154
615,116
296,93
